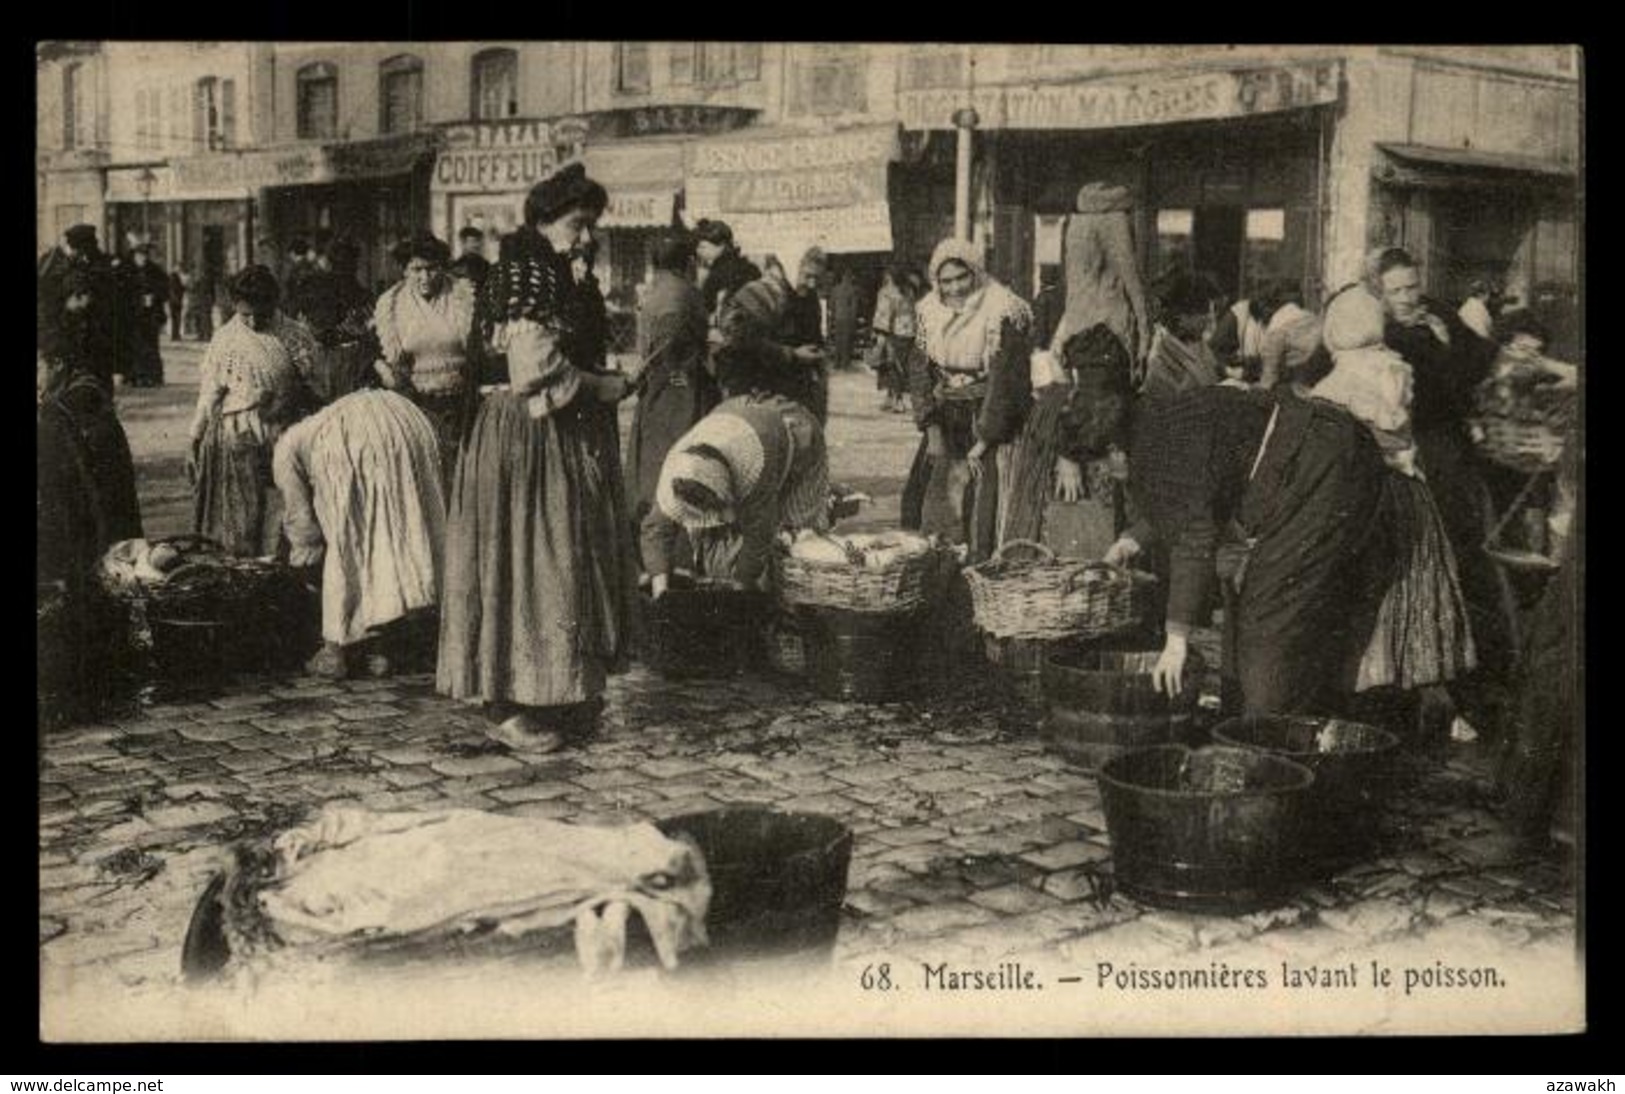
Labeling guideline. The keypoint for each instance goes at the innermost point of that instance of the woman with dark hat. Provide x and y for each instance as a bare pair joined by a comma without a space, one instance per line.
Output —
723,270
426,339
251,385
339,314
540,561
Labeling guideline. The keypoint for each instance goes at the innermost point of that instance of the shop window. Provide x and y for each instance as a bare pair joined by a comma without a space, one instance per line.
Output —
496,84
829,80
714,64
1263,247
400,94
1176,231
631,67
318,102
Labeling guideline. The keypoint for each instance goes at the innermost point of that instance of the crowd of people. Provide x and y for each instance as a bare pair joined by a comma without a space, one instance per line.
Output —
445,457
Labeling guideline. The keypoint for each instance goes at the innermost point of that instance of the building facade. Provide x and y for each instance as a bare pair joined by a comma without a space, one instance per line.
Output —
1251,163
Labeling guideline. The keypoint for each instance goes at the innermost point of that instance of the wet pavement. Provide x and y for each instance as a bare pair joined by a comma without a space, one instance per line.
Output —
972,844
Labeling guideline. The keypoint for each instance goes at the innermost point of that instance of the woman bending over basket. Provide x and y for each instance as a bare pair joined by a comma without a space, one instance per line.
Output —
360,484
1304,480
753,465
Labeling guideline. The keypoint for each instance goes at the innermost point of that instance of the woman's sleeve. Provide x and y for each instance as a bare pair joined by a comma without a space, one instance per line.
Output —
806,494
657,539
1191,556
299,522
921,385
384,325
210,390
1010,385
538,368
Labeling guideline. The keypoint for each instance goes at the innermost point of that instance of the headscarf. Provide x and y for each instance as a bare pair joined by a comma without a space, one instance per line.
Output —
966,340
1354,320
731,478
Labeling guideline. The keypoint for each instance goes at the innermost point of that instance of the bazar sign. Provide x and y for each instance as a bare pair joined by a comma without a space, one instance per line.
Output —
831,188
654,121
812,152
1106,104
496,156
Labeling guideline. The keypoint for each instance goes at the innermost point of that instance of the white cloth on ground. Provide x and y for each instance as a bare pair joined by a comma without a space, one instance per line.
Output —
354,873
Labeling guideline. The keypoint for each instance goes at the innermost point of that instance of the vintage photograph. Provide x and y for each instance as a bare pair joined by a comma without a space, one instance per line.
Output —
572,539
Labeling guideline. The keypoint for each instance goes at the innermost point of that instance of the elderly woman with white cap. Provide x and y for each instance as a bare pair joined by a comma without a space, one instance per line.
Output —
753,466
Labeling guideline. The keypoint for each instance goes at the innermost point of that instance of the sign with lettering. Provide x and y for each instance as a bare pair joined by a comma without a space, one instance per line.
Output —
495,157
241,173
810,152
125,185
857,228
666,119
381,158
638,209
856,184
1144,100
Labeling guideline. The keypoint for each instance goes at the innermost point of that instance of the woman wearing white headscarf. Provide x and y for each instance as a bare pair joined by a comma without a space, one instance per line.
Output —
1422,636
971,384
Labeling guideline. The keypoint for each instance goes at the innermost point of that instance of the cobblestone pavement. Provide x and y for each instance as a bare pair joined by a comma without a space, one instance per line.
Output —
971,841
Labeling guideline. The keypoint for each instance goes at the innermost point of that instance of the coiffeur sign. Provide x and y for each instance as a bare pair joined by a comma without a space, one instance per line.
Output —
1142,100
828,189
496,157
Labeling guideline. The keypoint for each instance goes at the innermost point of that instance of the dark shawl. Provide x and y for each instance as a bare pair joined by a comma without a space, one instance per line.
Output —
731,272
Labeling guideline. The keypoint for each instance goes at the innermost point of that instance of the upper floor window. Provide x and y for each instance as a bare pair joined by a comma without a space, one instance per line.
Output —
496,84
829,80
78,110
631,66
148,119
214,114
176,133
400,94
318,101
715,64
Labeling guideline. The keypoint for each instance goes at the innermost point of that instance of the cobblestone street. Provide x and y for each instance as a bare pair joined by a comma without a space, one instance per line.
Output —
972,843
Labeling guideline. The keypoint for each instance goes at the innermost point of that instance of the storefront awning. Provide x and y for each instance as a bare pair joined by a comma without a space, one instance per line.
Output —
1425,165
384,156
642,178
783,193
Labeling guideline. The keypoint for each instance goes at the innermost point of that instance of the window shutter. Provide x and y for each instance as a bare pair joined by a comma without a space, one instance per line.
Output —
200,118
228,113
681,59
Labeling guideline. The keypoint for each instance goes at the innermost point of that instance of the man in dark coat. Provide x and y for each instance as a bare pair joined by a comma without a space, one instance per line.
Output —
79,257
301,265
471,262
177,303
338,310
762,349
143,288
723,270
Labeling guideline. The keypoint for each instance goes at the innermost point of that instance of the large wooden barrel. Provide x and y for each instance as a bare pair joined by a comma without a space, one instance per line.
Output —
1099,703
1354,776
868,657
1019,664
705,631
1209,830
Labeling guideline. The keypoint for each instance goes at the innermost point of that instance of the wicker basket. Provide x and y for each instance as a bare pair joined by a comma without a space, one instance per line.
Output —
903,586
1044,597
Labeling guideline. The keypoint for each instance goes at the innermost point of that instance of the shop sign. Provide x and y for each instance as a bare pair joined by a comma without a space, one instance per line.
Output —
124,186
638,209
834,187
494,157
811,152
666,120
381,158
859,228
1148,100
242,173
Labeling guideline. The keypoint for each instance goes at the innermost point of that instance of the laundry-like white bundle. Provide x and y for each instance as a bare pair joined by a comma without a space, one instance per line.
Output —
354,874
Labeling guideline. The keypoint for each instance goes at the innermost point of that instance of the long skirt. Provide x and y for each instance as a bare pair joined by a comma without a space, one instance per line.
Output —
540,563
1421,635
449,416
1317,571
375,481
942,497
234,501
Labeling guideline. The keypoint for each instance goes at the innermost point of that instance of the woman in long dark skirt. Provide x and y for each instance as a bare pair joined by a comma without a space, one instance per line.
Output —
540,562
